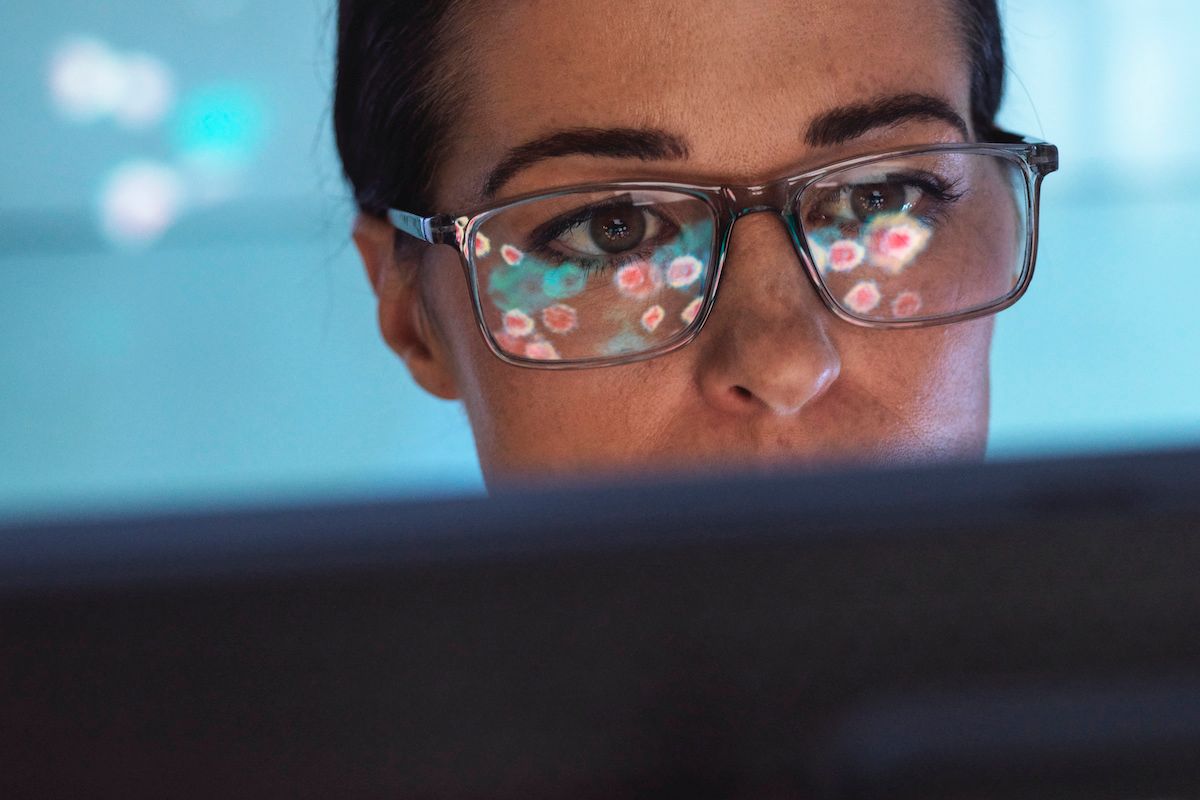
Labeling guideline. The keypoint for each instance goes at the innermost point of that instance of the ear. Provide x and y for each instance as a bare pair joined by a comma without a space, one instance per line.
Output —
403,318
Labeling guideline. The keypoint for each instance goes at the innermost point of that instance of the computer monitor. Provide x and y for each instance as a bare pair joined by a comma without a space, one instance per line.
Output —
1011,630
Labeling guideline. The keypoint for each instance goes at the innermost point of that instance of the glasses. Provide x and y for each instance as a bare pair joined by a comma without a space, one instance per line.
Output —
606,274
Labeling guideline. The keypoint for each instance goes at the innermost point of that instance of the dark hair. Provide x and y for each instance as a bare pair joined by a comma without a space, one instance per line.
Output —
985,53
394,96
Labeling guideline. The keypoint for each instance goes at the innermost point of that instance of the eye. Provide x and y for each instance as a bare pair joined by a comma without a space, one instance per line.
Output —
861,201
611,230
880,198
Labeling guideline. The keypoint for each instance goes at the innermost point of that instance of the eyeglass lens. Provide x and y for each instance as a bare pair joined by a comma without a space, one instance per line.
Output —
592,276
918,237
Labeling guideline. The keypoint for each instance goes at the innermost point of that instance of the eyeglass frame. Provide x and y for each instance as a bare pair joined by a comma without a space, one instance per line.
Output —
728,204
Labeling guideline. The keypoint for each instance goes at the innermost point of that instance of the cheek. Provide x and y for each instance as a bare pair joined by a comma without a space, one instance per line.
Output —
519,416
448,300
528,422
935,377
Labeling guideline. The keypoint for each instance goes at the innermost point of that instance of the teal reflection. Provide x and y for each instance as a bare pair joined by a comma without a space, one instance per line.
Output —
226,122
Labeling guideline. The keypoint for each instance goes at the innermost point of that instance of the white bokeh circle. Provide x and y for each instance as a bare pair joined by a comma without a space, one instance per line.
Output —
89,80
140,201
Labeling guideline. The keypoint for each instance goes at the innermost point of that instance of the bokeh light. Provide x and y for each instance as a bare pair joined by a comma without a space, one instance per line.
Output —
216,132
86,79
219,130
148,94
140,201
89,81
222,123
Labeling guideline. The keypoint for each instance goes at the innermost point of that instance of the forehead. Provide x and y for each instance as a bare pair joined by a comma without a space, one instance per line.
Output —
740,86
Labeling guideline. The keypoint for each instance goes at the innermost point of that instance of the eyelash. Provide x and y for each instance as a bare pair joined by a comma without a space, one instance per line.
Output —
942,193
593,265
547,233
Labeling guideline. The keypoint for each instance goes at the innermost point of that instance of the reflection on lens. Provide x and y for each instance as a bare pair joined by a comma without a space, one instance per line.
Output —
593,275
895,240
863,298
918,237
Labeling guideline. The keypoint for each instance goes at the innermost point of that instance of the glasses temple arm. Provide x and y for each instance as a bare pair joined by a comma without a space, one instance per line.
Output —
438,229
1043,157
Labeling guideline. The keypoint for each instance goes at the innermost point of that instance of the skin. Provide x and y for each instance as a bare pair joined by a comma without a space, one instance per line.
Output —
774,378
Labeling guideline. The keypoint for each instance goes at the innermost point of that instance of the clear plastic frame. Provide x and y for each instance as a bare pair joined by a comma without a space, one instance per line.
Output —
905,238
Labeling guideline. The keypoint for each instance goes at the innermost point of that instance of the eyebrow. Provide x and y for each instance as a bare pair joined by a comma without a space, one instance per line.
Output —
833,127
840,125
641,143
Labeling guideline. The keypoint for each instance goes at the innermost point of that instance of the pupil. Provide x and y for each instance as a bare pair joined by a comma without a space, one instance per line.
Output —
868,201
618,230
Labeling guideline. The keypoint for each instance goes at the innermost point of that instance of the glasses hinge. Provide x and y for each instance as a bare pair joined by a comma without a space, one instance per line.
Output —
442,229
1045,158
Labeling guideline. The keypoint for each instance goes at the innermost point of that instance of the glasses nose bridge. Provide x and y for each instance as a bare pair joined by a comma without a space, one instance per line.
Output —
774,197
745,200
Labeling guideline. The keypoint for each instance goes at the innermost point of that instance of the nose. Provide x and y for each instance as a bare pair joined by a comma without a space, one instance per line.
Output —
766,347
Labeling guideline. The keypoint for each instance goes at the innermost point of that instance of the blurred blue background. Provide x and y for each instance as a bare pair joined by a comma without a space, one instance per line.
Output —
185,323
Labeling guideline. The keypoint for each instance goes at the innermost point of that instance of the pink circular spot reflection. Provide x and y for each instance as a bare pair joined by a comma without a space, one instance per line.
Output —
894,240
511,255
906,304
863,298
509,344
652,318
691,311
518,323
684,271
483,245
560,318
541,350
638,280
845,255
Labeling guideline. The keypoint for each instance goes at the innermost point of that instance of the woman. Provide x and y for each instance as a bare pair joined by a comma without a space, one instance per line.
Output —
704,149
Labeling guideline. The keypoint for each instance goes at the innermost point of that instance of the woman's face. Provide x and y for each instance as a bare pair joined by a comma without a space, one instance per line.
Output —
774,378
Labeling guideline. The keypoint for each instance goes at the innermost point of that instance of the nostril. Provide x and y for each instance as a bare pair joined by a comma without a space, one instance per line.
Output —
743,393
